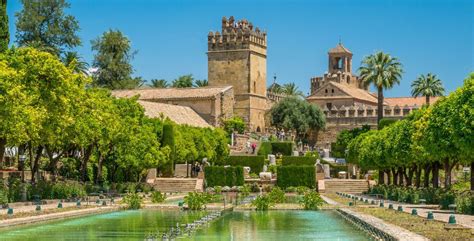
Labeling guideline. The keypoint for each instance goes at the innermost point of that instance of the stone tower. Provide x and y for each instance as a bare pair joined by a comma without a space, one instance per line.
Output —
238,57
339,70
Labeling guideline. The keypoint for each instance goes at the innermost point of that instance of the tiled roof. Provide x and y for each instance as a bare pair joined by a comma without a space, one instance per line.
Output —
409,101
172,93
355,92
339,49
176,113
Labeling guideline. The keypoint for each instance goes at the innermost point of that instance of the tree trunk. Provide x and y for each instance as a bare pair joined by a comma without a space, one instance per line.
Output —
3,143
381,177
411,172
85,160
472,176
427,100
35,168
426,181
53,162
379,104
418,177
395,177
389,178
447,169
401,173
99,168
435,180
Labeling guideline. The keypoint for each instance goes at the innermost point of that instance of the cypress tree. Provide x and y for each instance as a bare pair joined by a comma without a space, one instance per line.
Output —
4,33
167,139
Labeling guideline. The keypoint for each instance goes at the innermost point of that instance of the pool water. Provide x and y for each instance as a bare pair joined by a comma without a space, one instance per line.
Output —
281,225
240,225
122,225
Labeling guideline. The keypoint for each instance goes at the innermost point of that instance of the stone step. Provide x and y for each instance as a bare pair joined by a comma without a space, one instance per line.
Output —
177,184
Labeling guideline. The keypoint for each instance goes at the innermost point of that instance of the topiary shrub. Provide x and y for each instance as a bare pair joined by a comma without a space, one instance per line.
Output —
254,162
296,176
265,148
298,161
224,176
274,147
285,148
167,139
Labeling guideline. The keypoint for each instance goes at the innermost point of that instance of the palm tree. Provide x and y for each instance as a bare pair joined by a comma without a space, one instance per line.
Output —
427,86
80,66
383,71
290,89
184,81
159,83
201,83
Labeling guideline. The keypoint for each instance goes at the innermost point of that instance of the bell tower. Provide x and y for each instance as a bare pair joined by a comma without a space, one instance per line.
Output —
340,60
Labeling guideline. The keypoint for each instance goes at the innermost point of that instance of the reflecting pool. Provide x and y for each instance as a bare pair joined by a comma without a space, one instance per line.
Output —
281,225
239,225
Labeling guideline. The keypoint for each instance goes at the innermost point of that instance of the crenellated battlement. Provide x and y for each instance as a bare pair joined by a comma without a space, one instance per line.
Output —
236,35
366,111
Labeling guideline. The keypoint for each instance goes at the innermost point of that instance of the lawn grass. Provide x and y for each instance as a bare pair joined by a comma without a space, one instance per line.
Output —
434,230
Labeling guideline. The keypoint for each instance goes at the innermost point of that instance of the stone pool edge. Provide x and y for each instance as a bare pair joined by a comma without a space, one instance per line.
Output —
378,228
8,223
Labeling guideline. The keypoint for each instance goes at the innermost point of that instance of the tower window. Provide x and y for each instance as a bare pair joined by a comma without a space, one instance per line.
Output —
348,80
332,90
329,106
326,91
255,87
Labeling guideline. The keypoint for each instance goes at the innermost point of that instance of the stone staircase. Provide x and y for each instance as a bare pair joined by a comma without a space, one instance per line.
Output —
343,185
178,184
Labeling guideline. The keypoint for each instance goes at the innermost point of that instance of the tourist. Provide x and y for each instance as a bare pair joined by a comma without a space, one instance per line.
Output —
254,146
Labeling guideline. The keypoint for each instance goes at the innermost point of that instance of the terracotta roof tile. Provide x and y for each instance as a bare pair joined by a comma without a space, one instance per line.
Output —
172,93
339,49
409,101
176,113
355,92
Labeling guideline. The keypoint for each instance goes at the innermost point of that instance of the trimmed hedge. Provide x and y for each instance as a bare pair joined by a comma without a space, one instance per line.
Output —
254,162
167,139
274,147
224,176
265,148
298,161
294,176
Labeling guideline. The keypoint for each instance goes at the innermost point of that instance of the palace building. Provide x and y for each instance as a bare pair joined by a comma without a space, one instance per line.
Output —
347,103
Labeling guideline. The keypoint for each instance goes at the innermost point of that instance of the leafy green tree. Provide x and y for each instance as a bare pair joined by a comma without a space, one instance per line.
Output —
427,86
76,62
159,83
54,90
201,83
184,81
234,124
293,113
43,24
275,88
383,71
290,89
343,138
4,32
112,60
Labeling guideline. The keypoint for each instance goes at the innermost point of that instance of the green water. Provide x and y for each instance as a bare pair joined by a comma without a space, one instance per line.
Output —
135,225
281,225
124,225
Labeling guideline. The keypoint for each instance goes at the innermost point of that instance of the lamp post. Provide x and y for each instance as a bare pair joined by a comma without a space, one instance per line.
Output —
22,159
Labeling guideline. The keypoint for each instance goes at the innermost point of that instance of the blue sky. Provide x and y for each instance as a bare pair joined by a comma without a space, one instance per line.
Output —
171,36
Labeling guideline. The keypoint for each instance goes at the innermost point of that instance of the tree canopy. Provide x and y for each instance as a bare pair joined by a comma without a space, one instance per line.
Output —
427,86
44,25
112,61
441,135
383,71
295,114
4,32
